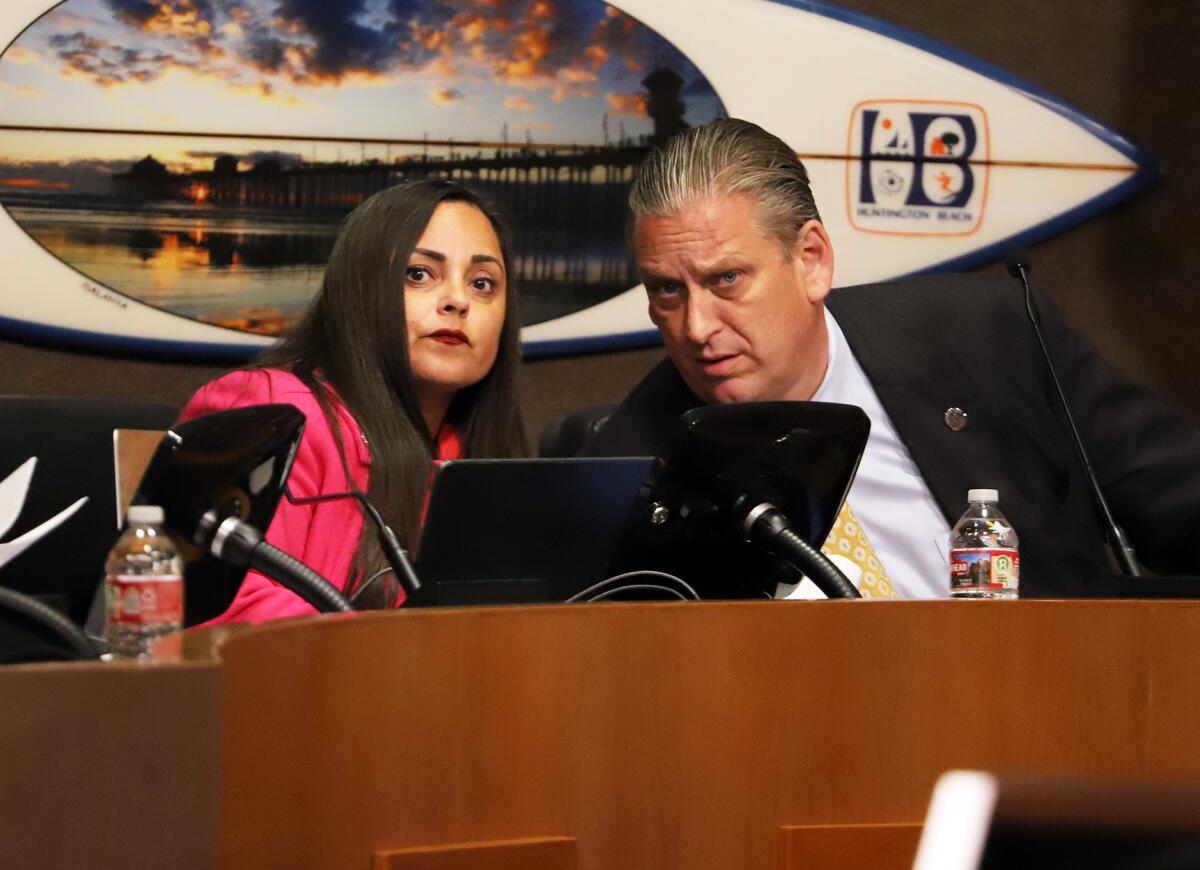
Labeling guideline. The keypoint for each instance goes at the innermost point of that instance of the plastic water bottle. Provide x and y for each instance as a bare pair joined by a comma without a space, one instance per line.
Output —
143,589
984,562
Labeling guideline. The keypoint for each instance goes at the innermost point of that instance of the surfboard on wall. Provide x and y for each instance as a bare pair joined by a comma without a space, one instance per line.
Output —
172,175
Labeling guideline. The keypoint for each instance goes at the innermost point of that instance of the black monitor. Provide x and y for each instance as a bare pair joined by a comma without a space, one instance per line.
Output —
720,462
230,463
513,531
983,821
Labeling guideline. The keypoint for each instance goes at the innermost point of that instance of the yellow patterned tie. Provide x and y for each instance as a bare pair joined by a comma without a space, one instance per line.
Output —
848,540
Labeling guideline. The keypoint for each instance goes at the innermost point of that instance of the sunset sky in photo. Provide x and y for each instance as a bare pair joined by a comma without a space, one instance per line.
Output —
386,69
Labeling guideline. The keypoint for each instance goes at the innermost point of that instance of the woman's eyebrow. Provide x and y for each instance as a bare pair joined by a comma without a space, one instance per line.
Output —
477,258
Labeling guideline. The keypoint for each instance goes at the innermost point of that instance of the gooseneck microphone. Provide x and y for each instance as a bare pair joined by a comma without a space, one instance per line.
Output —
239,543
1017,262
396,557
765,526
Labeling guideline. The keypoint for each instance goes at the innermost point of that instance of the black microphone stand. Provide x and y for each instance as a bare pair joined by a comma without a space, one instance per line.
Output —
240,543
764,525
1017,262
233,540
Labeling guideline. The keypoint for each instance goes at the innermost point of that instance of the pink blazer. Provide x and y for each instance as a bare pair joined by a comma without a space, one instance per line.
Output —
323,535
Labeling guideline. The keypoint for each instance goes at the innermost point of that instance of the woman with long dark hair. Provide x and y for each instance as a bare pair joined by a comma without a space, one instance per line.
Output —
407,355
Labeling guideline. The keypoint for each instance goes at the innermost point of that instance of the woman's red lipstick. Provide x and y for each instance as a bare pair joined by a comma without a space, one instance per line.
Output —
450,336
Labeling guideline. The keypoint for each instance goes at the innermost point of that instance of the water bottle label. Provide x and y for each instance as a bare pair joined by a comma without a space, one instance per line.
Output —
984,568
153,600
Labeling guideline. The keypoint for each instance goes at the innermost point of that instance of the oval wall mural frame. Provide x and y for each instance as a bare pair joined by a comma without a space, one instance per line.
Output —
172,175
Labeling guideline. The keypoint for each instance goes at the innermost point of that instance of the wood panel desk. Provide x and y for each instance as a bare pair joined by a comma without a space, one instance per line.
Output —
636,736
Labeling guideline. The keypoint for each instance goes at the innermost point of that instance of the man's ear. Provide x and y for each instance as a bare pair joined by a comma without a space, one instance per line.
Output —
812,256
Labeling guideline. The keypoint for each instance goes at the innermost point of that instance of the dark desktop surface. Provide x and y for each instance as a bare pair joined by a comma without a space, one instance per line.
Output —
1159,586
1098,848
1114,586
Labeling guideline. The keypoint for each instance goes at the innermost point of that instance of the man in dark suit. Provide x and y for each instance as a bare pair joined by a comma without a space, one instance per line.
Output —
738,269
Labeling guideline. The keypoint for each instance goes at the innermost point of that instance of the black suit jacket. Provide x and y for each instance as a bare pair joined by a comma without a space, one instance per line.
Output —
929,344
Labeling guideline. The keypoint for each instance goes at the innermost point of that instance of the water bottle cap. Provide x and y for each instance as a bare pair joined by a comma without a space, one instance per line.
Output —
990,495
145,513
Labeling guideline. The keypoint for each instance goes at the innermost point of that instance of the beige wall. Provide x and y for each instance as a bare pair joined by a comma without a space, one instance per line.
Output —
1126,278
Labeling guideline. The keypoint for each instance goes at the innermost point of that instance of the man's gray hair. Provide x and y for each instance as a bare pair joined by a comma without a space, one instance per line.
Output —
727,157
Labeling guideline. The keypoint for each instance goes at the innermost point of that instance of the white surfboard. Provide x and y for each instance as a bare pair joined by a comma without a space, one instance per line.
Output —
922,159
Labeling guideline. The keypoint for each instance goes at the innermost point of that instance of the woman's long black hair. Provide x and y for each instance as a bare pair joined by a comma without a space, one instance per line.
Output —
353,340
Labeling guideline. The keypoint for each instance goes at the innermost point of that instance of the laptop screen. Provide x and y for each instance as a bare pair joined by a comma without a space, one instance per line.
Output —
506,531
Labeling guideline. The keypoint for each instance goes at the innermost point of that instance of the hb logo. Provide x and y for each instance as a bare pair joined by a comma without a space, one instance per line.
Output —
921,167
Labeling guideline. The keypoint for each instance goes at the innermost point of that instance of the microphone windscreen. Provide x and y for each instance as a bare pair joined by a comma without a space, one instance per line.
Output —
1016,260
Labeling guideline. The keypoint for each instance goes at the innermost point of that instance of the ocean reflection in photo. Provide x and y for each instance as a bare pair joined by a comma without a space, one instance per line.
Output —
255,269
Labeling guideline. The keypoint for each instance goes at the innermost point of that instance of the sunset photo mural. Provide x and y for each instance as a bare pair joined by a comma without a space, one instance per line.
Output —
198,155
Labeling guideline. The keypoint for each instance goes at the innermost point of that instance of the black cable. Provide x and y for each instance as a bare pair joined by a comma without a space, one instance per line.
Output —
49,620
242,544
766,526
688,593
395,554
362,588
645,587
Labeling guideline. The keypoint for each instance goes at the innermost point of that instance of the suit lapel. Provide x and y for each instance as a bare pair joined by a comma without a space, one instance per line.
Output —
923,362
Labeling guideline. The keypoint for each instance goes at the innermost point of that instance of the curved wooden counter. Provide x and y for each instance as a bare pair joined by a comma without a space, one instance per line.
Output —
612,736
